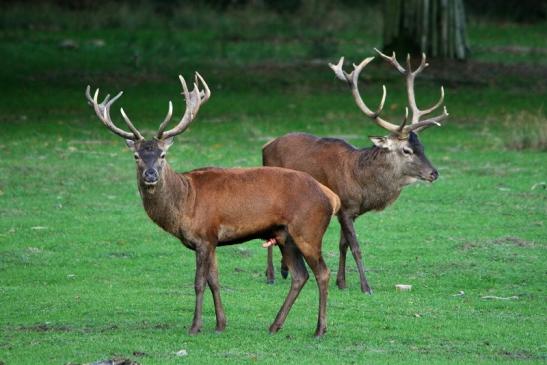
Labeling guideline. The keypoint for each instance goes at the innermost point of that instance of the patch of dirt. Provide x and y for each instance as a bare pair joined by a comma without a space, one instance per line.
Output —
513,241
114,361
160,326
520,355
44,327
502,241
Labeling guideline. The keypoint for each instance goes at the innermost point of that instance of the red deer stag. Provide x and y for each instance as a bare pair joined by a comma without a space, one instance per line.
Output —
367,179
211,207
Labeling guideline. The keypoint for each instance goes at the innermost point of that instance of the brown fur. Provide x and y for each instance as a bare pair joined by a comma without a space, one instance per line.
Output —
212,207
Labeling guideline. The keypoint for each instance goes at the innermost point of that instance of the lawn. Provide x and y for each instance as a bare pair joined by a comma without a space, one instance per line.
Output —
85,275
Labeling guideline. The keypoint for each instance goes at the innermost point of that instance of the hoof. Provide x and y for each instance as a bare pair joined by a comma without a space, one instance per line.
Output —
274,328
284,273
320,332
341,284
366,290
270,276
194,330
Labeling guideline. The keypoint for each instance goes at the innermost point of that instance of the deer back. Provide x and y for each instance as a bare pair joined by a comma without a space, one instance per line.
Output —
235,205
364,179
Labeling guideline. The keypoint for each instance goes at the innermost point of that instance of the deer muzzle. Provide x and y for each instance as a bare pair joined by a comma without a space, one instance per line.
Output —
150,176
433,175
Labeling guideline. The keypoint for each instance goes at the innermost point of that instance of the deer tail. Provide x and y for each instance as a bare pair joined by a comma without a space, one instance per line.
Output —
333,198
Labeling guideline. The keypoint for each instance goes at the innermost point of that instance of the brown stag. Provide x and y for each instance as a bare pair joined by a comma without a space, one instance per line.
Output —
367,179
211,207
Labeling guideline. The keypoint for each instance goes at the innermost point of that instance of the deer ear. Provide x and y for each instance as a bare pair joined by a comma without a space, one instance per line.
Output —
382,142
130,144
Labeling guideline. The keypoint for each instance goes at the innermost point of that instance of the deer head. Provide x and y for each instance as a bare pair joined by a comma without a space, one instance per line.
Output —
405,149
150,154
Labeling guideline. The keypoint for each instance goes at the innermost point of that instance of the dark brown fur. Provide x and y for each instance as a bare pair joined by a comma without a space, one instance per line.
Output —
365,179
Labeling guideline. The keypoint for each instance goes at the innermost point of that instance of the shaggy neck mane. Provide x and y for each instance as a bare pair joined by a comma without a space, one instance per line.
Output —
383,183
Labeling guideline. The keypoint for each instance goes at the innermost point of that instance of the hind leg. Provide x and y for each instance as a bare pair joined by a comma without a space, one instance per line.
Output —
270,274
293,259
322,273
279,239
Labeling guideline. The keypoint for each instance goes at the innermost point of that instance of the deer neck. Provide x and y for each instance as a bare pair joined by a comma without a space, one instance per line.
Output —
165,201
381,179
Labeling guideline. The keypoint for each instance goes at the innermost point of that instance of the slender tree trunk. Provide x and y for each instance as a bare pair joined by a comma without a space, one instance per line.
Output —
434,27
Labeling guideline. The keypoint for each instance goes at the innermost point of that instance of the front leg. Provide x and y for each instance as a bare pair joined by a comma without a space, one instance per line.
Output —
202,270
348,230
214,285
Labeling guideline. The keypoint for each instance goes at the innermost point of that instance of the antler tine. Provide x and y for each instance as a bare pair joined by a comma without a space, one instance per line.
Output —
435,121
401,128
194,99
103,112
90,98
106,112
166,120
353,80
338,71
392,60
437,104
207,91
416,112
423,64
416,125
130,125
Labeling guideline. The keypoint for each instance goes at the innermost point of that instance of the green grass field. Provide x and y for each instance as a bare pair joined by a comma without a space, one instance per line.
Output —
85,275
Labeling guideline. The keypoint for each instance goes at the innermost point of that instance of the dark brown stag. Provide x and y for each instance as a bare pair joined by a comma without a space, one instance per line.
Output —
212,207
367,179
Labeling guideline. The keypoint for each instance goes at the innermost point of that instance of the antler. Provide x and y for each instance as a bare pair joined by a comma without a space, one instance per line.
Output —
352,79
103,112
194,100
415,124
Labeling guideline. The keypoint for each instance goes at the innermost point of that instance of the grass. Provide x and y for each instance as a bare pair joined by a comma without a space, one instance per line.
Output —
86,276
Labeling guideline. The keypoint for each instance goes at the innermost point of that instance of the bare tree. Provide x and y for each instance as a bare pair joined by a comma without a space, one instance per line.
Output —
434,27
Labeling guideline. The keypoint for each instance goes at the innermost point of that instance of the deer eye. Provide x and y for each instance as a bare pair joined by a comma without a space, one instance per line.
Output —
407,151
136,156
162,156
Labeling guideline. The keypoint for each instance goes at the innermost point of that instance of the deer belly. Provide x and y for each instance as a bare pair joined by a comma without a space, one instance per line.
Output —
245,232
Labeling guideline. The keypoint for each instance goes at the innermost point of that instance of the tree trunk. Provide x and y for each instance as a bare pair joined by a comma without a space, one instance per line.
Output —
433,27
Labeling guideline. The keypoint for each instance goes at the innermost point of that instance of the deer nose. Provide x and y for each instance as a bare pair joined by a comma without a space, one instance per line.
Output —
150,175
434,175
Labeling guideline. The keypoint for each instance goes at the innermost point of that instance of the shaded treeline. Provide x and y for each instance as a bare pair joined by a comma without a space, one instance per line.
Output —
513,10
